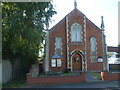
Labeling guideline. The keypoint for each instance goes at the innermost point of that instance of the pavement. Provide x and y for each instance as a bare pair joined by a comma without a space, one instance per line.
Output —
90,78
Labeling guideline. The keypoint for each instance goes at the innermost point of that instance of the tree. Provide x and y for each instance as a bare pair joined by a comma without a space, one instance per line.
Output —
23,27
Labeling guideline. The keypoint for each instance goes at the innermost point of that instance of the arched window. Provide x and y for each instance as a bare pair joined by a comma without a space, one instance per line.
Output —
93,49
58,42
76,33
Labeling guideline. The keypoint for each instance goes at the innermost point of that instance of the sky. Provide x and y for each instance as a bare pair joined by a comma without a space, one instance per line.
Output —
93,9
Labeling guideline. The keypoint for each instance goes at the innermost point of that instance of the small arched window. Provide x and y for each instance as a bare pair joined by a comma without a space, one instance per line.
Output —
76,33
93,49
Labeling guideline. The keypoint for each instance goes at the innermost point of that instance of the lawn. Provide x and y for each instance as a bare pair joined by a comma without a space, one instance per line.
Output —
68,74
15,84
59,74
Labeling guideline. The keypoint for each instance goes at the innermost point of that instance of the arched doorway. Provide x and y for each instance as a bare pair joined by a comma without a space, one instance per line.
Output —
76,61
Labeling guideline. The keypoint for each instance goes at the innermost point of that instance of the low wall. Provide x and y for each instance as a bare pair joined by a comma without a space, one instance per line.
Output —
110,76
55,79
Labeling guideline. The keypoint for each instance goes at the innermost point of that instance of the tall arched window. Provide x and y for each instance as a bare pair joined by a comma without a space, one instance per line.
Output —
76,33
93,49
58,41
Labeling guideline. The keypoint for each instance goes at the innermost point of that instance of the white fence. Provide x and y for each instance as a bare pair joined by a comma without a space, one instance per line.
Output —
6,71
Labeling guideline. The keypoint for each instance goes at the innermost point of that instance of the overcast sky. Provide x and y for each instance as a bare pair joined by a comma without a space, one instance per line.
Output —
93,9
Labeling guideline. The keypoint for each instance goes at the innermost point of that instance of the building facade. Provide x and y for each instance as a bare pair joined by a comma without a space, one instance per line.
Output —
78,42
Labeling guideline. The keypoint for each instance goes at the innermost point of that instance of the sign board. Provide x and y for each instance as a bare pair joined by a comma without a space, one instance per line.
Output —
100,59
53,62
59,63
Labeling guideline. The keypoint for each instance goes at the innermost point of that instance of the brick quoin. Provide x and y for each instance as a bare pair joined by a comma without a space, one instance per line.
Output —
59,30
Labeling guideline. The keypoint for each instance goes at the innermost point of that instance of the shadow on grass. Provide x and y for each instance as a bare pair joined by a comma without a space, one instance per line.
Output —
21,82
14,84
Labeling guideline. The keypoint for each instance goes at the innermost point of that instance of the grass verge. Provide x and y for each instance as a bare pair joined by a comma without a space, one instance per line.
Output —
58,74
14,84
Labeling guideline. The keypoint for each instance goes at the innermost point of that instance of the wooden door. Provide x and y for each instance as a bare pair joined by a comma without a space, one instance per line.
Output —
77,62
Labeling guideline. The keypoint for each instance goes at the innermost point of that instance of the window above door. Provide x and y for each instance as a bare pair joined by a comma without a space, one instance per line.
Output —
76,35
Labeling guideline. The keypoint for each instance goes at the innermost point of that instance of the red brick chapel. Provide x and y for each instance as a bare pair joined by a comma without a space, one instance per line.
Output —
75,44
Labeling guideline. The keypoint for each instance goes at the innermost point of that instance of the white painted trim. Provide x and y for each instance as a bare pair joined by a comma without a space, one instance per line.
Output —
85,42
68,62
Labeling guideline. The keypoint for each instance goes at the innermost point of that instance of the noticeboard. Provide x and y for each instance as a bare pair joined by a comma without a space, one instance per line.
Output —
100,59
59,63
53,62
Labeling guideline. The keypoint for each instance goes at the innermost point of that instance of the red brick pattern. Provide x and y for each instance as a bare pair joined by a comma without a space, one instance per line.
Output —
55,79
59,30
110,76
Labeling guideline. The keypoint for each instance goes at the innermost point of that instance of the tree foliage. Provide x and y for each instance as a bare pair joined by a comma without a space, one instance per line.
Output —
23,33
22,27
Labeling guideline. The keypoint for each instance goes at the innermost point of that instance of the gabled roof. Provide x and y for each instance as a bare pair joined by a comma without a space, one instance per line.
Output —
81,15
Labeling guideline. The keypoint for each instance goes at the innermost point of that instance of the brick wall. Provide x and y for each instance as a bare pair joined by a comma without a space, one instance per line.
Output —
59,30
55,79
110,76
98,66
